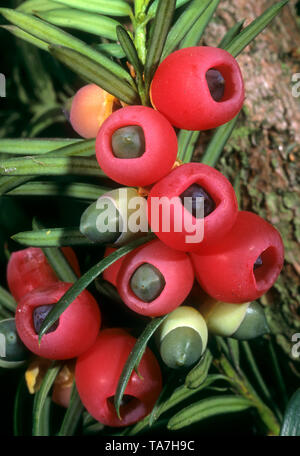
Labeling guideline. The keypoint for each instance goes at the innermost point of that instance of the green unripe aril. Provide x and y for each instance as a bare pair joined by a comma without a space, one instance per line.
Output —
182,337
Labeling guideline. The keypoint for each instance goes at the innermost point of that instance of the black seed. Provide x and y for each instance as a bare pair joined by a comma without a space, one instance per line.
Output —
258,263
128,142
39,315
126,399
216,84
147,282
195,192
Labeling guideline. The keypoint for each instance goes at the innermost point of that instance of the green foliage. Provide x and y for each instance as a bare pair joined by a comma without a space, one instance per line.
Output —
42,403
291,420
207,408
72,415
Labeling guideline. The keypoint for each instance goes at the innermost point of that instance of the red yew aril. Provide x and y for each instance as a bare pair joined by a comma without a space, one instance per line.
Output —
184,89
74,332
161,274
231,272
157,154
183,231
97,374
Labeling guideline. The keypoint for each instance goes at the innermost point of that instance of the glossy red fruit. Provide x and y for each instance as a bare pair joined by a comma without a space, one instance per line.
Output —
97,374
77,329
171,282
160,147
111,273
180,89
244,264
178,227
28,269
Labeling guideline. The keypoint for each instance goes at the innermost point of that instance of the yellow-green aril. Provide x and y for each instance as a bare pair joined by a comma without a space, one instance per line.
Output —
238,321
182,337
116,218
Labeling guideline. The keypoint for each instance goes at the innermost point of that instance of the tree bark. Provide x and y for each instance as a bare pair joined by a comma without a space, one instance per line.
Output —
263,152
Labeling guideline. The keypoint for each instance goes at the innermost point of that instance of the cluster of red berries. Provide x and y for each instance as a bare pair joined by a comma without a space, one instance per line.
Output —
240,255
101,355
238,259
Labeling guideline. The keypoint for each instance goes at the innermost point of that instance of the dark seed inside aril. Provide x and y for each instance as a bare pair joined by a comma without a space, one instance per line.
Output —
128,142
39,315
147,282
216,84
126,399
258,263
195,192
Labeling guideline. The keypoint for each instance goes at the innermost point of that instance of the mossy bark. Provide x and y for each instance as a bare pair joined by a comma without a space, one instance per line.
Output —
262,156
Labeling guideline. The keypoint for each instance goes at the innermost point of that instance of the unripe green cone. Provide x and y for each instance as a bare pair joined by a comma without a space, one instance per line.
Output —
12,350
147,282
117,217
182,337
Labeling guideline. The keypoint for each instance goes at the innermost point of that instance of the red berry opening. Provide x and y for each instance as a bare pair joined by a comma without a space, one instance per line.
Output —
264,272
129,404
